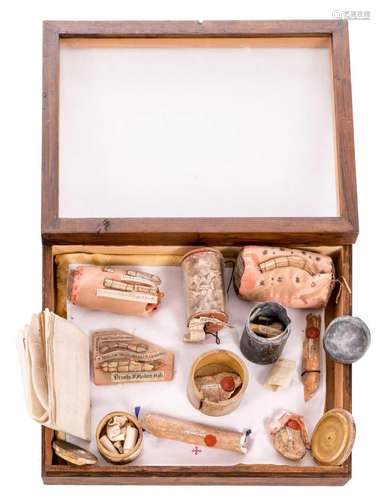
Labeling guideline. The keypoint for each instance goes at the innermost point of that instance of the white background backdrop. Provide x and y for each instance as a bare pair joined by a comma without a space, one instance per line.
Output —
20,118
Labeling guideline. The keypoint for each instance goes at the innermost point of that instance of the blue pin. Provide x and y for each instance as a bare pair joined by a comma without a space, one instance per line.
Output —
137,411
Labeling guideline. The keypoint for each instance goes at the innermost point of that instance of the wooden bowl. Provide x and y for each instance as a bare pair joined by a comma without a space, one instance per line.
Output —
119,458
211,363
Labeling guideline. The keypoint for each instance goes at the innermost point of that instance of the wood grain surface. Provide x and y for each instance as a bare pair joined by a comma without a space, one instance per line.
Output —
338,392
314,230
226,232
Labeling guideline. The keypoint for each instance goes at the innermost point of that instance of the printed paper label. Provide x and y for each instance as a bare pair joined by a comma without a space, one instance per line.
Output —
137,376
124,295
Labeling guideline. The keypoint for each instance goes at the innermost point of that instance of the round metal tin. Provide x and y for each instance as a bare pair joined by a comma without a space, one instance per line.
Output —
346,339
260,350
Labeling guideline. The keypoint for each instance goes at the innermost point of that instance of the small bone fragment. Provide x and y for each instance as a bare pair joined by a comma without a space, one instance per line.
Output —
130,438
119,420
114,432
266,331
118,445
277,325
107,444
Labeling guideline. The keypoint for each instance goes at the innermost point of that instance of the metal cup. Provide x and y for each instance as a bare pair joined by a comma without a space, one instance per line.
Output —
262,350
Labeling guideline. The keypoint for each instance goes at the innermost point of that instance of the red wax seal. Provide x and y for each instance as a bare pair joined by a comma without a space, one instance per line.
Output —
312,332
293,424
210,440
227,384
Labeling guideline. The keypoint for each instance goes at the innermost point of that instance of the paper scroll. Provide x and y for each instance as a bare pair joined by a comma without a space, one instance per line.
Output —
281,374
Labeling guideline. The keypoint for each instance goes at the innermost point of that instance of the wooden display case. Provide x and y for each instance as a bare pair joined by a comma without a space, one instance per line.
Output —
135,117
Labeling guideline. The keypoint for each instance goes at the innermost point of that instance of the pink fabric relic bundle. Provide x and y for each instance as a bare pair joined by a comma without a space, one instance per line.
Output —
121,291
295,278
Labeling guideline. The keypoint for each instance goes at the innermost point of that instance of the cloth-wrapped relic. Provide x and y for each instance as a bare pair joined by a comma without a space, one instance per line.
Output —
289,434
294,278
219,387
166,427
121,291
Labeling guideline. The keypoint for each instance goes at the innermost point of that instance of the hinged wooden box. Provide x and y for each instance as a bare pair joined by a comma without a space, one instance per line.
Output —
160,136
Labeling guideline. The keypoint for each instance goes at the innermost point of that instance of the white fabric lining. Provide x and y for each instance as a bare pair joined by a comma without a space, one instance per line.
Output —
166,327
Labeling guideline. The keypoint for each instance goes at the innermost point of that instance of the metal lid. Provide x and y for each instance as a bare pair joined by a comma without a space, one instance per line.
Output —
73,454
346,339
333,437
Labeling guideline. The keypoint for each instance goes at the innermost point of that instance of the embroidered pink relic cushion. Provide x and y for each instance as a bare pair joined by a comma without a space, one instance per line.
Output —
294,278
120,291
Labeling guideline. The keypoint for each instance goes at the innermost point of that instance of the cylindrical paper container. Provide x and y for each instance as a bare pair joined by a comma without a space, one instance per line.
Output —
211,363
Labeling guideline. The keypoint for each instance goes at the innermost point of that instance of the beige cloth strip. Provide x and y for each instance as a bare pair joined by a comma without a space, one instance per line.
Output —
54,355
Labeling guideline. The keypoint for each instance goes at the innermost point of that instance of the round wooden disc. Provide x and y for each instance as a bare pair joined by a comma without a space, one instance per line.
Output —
333,437
73,454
